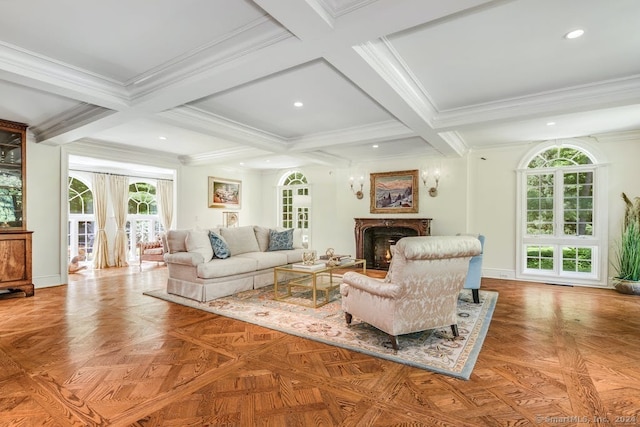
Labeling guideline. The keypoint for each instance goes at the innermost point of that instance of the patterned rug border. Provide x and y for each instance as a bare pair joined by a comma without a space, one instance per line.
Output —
473,344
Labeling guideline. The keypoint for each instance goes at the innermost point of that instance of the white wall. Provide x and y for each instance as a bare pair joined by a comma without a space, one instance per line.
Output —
43,212
193,210
475,195
334,206
492,197
624,176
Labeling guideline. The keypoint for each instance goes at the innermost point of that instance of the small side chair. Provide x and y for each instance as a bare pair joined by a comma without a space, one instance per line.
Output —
474,277
152,251
420,291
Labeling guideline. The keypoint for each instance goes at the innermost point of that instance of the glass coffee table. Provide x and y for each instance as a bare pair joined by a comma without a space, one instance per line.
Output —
320,282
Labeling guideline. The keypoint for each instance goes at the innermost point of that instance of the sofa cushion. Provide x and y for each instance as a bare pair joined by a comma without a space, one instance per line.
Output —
219,246
294,255
240,239
198,241
280,240
176,241
297,237
266,259
262,236
226,267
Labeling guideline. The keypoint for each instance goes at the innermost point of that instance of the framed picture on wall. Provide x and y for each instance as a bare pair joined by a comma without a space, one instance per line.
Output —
224,193
394,192
230,219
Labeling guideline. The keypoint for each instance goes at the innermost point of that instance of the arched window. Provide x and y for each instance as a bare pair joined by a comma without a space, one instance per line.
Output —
142,214
294,204
563,233
142,199
81,220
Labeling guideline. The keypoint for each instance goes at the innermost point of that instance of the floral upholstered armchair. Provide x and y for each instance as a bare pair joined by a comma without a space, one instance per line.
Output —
420,290
152,251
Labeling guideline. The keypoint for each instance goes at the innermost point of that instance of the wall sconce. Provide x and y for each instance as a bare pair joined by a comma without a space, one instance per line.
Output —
433,191
358,193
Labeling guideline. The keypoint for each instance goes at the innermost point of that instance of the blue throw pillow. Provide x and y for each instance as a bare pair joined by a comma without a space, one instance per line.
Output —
280,240
219,245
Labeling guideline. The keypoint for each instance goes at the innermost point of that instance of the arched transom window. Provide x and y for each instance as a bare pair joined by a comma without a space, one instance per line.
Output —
562,237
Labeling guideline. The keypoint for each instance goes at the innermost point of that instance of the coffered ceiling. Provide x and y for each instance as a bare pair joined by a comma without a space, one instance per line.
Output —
215,81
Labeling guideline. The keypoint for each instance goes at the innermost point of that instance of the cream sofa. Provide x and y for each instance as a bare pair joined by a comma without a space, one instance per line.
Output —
195,272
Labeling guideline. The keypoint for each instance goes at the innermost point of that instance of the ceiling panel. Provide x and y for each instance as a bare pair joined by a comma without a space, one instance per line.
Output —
155,135
121,39
517,48
622,119
218,78
31,106
379,151
330,102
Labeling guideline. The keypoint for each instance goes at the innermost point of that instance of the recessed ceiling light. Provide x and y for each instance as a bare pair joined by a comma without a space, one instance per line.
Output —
375,145
551,123
298,104
574,34
241,163
162,137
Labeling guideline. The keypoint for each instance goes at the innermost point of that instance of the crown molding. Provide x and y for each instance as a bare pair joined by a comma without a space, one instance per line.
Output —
377,132
33,70
220,156
78,116
212,124
455,141
123,153
624,136
603,94
387,63
250,38
338,9
324,11
323,159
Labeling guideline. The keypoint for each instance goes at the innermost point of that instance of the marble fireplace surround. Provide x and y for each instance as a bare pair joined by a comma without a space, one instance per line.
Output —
374,236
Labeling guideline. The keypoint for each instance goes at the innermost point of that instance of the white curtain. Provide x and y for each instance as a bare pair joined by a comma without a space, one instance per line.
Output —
164,190
119,186
100,244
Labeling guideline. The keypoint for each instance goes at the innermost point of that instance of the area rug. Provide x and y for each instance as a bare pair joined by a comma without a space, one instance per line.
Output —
434,350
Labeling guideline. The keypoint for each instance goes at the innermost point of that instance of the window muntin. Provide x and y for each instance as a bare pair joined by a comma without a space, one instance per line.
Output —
559,157
540,257
294,184
143,222
142,199
559,237
80,197
81,226
294,201
578,203
540,204
142,217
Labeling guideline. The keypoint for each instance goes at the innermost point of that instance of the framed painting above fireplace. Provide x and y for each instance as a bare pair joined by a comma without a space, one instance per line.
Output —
394,192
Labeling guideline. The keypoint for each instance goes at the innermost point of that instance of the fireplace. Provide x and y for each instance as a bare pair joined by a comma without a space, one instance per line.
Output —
375,236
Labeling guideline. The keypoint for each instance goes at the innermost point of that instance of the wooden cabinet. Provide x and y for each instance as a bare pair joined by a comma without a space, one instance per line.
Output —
15,267
15,240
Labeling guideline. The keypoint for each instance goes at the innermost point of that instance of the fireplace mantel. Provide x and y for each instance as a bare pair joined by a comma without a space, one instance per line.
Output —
422,227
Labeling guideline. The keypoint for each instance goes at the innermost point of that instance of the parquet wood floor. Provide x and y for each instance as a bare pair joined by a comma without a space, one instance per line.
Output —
97,352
